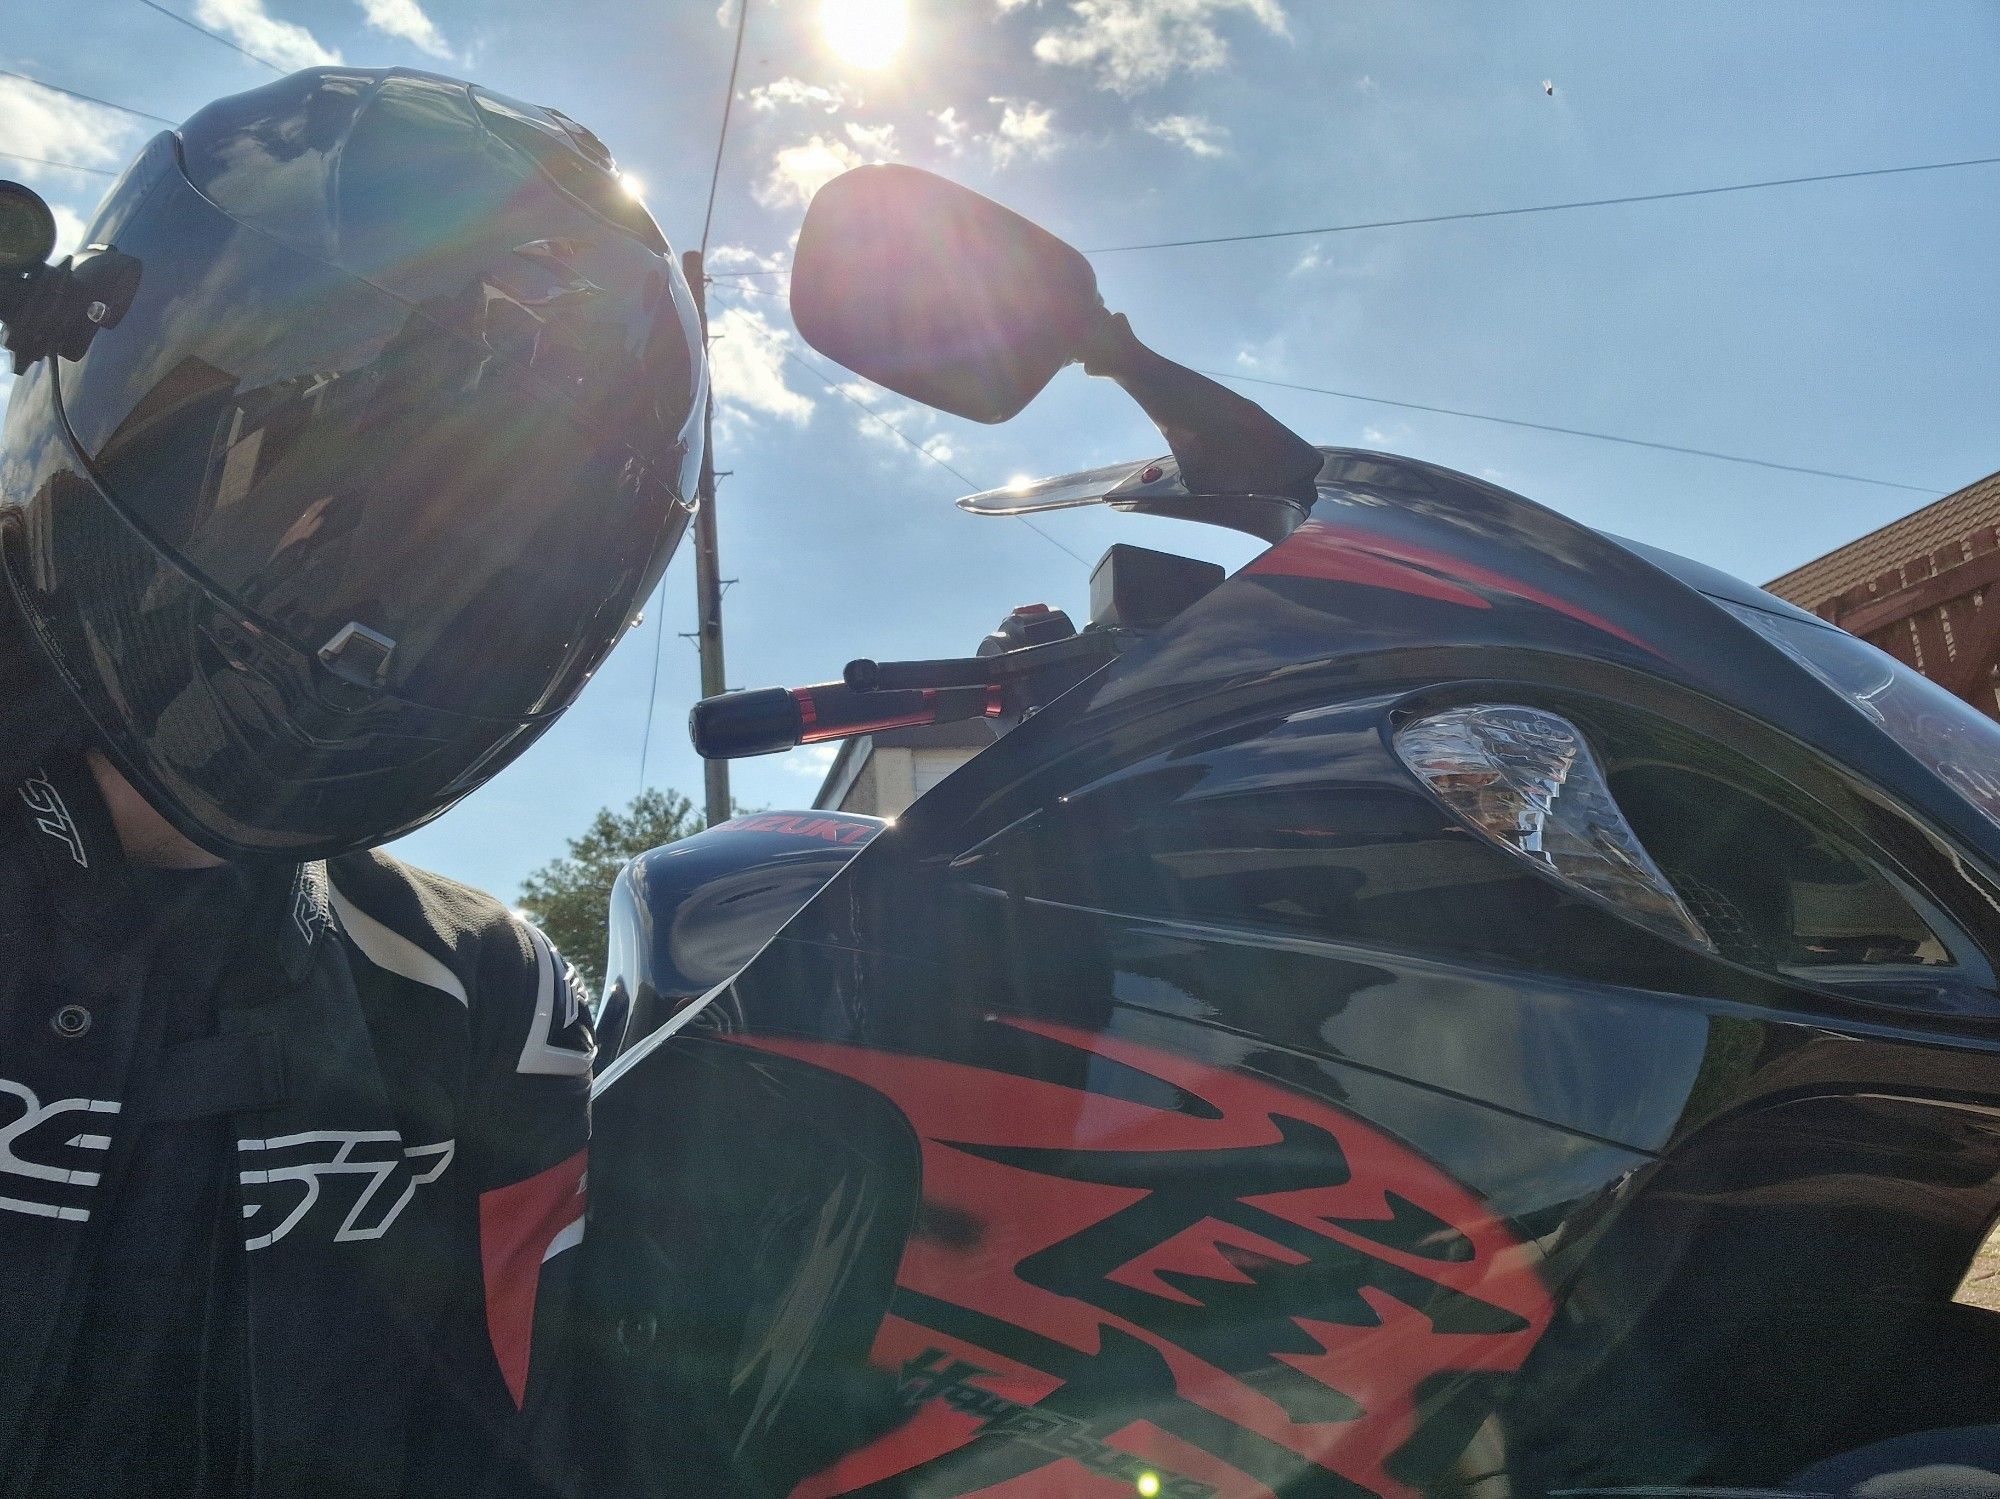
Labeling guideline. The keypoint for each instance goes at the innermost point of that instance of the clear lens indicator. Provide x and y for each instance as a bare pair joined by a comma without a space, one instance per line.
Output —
1528,780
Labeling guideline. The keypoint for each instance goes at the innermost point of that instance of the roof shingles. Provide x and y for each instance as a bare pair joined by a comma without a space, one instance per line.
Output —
1943,523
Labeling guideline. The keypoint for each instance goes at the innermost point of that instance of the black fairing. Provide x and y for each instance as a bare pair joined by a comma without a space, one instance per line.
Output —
686,917
752,1317
1269,1132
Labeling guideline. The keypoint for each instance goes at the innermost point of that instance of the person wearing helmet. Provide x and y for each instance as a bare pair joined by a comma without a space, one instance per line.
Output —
382,430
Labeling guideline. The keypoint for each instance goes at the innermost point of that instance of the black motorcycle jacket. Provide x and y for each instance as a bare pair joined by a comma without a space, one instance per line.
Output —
404,1071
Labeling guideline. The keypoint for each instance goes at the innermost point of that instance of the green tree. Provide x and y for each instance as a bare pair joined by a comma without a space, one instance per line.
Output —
570,897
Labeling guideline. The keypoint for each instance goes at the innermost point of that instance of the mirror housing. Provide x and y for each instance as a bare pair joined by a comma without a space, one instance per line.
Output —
50,310
946,297
27,229
938,293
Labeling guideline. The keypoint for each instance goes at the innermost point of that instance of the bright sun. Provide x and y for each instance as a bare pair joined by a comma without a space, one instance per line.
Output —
865,33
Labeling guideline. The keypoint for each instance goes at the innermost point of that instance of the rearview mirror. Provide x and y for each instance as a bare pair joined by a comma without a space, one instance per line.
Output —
948,298
938,293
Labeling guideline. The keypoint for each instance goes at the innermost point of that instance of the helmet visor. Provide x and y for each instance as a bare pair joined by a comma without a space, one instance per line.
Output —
477,487
245,742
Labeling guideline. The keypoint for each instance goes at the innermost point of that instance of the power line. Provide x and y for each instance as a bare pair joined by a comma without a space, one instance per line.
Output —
1477,416
903,437
722,135
1502,213
67,166
888,426
214,36
57,88
1630,442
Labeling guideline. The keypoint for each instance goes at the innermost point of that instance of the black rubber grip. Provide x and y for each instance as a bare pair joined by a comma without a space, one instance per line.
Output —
745,723
779,718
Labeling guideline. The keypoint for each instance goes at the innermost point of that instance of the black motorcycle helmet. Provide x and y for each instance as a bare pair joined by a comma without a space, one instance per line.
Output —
397,431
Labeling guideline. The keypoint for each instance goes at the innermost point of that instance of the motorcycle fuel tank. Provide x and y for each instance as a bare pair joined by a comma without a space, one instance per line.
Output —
1190,1097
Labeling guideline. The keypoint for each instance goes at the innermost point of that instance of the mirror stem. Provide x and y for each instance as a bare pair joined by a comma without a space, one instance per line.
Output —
1223,442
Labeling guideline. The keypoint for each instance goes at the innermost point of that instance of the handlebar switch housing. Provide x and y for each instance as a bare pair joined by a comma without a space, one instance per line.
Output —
1025,625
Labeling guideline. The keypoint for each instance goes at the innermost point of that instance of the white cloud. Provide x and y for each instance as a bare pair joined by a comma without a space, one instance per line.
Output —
251,27
813,760
40,122
1026,129
907,418
884,411
1023,128
794,92
797,172
950,130
1268,354
1386,435
1345,259
743,258
746,364
877,141
406,19
1193,134
70,226
1139,44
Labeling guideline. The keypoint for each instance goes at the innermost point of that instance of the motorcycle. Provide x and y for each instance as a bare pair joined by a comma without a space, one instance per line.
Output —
1466,1005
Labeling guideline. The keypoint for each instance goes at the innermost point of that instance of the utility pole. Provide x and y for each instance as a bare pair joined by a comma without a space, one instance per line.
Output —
708,562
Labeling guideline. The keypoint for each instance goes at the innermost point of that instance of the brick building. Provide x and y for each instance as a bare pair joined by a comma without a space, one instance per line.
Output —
1922,588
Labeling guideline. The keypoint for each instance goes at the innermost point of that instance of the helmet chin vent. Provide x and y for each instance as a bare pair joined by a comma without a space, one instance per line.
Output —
358,655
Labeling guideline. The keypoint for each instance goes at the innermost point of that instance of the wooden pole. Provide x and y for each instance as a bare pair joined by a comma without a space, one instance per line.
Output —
708,566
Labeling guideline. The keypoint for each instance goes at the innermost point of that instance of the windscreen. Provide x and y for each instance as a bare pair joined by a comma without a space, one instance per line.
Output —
1949,735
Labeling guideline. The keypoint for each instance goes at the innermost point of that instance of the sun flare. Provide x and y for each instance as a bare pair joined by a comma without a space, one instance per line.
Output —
865,33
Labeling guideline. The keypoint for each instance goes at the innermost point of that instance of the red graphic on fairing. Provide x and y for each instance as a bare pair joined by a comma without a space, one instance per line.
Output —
1253,1294
1350,554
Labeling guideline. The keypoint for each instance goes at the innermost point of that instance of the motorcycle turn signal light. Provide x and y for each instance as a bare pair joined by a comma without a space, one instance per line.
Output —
1527,780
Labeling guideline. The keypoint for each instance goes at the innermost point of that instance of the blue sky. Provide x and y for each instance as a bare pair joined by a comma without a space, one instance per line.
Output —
1849,326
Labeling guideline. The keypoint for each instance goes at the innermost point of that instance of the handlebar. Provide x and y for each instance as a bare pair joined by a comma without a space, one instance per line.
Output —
879,695
772,719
